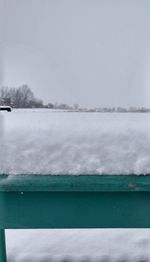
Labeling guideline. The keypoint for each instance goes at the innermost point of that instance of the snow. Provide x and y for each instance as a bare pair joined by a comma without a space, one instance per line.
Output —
93,245
48,142
5,107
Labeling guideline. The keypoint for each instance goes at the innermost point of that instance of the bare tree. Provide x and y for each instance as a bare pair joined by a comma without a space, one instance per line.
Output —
26,95
21,97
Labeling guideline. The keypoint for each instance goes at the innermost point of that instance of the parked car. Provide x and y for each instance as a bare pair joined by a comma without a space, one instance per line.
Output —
6,108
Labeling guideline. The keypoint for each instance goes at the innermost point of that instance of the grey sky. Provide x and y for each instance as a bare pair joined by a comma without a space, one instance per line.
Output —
91,52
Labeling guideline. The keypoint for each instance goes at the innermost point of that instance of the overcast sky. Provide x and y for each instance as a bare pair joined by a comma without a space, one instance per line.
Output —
91,52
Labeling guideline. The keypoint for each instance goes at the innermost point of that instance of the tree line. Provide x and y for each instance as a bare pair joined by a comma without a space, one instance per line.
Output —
23,97
19,97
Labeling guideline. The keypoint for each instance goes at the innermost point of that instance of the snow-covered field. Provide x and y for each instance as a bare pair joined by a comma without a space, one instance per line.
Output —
41,141
45,142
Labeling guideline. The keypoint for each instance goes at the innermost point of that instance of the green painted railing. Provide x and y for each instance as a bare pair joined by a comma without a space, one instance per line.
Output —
85,201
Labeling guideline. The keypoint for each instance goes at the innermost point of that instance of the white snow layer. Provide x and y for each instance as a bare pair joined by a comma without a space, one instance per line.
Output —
47,142
93,245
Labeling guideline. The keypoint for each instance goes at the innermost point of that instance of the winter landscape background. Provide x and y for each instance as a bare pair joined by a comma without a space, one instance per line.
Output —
87,52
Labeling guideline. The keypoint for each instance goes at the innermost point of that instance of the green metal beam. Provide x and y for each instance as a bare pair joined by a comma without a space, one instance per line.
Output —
2,246
74,201
84,201
74,210
80,183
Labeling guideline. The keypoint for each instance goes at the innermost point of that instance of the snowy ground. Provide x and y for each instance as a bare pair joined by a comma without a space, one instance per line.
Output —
39,141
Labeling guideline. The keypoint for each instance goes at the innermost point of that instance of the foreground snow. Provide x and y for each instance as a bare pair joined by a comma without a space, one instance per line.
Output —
45,142
96,245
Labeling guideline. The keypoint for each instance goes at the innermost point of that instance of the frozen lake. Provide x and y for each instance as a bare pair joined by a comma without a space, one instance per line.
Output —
47,142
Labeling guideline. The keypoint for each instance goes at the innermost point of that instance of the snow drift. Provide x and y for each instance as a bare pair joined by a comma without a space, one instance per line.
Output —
45,142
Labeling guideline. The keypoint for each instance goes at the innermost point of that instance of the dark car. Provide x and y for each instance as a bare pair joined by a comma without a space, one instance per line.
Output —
6,108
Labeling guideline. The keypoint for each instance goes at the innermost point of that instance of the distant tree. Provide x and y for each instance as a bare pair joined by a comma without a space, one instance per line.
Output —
76,106
4,93
64,106
36,103
50,105
26,96
20,97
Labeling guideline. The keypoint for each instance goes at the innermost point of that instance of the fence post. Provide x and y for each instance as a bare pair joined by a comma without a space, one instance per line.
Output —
2,246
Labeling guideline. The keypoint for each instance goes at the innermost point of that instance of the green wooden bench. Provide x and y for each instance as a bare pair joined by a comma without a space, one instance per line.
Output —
73,202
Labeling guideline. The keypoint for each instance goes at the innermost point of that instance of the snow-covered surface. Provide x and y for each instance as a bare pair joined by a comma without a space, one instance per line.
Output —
109,245
5,107
47,142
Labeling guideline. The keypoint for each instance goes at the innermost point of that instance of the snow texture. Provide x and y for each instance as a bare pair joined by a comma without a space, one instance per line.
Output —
98,245
48,142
